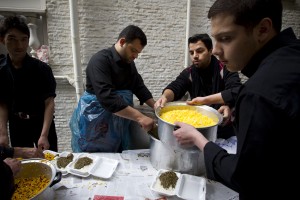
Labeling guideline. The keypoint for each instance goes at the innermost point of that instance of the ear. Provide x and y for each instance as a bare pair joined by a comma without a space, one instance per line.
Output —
265,30
122,41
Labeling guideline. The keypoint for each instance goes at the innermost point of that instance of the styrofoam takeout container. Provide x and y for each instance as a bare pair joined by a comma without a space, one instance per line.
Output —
187,186
63,170
54,153
157,187
101,167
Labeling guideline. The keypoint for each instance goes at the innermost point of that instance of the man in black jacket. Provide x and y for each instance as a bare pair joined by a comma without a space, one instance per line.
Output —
249,38
27,91
100,123
206,76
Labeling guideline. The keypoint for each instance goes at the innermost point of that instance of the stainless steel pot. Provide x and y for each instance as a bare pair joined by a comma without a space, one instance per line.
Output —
183,161
36,168
165,129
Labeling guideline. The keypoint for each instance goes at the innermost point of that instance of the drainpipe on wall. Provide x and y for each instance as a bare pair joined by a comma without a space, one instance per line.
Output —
76,48
187,33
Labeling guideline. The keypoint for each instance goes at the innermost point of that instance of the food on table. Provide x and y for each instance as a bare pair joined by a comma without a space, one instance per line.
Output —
62,162
81,162
26,188
50,156
188,116
168,179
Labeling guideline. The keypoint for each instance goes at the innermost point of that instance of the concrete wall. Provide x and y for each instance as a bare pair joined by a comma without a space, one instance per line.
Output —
100,22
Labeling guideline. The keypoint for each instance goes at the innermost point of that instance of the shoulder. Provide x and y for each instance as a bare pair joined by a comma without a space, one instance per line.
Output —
37,67
187,70
36,62
104,53
101,56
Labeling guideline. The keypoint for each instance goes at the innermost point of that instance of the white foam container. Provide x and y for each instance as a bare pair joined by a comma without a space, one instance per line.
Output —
101,167
191,187
156,186
187,187
63,170
55,154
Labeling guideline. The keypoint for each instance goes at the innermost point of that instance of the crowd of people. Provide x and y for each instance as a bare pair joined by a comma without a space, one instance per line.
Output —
248,38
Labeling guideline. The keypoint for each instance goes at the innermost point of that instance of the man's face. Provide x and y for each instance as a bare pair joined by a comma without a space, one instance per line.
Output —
16,44
234,46
199,54
130,51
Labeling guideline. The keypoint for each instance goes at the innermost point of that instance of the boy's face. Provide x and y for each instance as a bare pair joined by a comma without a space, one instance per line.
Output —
234,45
16,44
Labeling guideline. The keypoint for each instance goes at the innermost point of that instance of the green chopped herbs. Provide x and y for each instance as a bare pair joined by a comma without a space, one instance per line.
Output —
81,162
168,179
62,162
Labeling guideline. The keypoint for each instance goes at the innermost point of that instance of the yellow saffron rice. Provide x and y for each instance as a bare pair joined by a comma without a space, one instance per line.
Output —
29,187
188,116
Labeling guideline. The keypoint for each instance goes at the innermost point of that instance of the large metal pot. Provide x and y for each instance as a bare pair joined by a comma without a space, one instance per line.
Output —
165,129
183,161
36,168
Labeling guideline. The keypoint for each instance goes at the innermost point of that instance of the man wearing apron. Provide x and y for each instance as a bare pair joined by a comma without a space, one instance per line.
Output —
100,123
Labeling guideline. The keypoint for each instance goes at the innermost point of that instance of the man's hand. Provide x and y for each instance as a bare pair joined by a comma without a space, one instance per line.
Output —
161,102
197,101
24,152
166,97
14,164
43,143
187,134
146,123
226,112
207,100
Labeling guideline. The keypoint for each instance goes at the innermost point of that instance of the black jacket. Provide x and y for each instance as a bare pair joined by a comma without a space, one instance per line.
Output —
202,82
106,73
6,174
267,122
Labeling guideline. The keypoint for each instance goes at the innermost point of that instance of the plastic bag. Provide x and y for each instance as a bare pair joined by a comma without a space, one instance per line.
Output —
96,130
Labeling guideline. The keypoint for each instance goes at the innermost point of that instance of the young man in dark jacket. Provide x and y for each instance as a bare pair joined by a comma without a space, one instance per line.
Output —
206,76
27,91
249,38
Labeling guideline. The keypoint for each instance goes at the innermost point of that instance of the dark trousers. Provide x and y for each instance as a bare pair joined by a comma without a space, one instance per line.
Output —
25,132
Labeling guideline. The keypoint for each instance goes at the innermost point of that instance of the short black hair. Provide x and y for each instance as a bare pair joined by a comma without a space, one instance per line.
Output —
202,37
17,22
133,32
248,13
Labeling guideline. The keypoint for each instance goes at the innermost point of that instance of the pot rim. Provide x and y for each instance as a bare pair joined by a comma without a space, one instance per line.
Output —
218,116
54,172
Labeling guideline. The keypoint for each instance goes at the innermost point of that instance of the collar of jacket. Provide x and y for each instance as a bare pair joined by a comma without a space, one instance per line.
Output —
284,38
5,60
